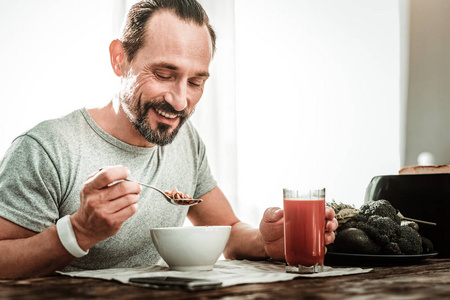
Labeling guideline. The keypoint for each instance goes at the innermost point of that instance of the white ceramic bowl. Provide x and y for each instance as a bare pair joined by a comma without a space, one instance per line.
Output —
192,248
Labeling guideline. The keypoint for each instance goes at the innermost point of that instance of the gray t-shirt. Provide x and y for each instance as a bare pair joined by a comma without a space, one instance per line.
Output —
44,169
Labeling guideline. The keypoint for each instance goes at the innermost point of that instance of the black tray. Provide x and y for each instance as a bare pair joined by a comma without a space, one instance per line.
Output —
423,197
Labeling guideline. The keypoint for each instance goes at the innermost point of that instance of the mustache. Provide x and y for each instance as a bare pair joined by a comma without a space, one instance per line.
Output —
165,106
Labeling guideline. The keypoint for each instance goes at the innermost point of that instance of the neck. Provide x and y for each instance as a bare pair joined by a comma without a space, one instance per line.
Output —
112,119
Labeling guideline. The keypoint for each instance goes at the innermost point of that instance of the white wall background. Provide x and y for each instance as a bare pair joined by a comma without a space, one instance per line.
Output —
302,93
54,60
317,97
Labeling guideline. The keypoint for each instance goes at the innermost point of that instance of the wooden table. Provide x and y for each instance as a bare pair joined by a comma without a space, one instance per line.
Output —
429,279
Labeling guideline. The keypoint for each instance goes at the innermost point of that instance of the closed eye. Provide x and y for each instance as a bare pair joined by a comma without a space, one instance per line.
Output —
197,81
160,76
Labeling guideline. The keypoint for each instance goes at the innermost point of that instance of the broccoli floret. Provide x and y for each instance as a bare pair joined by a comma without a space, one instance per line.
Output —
392,249
380,229
383,229
356,219
410,241
381,208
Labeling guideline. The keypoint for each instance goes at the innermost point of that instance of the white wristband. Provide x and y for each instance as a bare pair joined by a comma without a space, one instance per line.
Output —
67,237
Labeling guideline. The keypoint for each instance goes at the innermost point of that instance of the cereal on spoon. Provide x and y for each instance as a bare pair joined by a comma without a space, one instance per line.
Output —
179,197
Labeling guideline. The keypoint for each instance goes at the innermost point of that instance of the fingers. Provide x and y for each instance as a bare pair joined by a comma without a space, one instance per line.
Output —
272,232
119,190
271,226
116,205
114,197
106,176
105,203
330,226
101,191
329,213
125,212
273,215
331,223
329,237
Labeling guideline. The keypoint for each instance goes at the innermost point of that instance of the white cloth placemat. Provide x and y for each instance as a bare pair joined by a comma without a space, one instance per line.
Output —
230,272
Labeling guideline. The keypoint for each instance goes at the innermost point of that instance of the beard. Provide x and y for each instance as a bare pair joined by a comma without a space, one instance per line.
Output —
138,115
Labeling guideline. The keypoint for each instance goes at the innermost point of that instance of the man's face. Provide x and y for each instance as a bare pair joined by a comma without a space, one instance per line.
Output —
166,78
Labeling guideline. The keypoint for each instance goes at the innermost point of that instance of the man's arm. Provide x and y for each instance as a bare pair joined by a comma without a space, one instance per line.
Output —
245,241
24,253
103,209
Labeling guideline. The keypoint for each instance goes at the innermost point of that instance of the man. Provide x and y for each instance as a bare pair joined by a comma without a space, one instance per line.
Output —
70,171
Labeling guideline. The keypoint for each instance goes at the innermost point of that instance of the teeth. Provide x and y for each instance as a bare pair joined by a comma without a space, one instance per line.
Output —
166,114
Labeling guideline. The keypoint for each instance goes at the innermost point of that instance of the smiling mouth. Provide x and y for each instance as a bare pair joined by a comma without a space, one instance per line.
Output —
166,114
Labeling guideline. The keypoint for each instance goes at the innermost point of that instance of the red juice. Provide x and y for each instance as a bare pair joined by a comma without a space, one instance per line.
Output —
304,232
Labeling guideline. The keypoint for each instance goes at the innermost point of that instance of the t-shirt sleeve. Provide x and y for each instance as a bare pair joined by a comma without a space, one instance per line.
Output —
29,185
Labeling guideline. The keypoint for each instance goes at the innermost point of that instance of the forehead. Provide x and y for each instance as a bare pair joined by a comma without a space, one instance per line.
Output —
167,35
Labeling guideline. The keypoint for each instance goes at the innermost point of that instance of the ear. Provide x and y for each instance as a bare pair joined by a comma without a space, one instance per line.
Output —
117,54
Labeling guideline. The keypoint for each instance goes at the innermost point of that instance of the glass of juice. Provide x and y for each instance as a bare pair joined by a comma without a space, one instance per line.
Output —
304,229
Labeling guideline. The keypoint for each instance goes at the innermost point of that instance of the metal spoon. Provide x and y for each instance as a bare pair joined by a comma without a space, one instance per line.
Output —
414,220
183,202
419,221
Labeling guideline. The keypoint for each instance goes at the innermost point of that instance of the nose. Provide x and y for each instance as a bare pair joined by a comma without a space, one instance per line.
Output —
177,96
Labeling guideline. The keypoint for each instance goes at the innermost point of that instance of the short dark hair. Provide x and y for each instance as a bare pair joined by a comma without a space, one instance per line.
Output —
134,30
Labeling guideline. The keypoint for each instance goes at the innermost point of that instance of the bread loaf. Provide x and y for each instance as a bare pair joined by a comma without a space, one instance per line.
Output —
425,169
